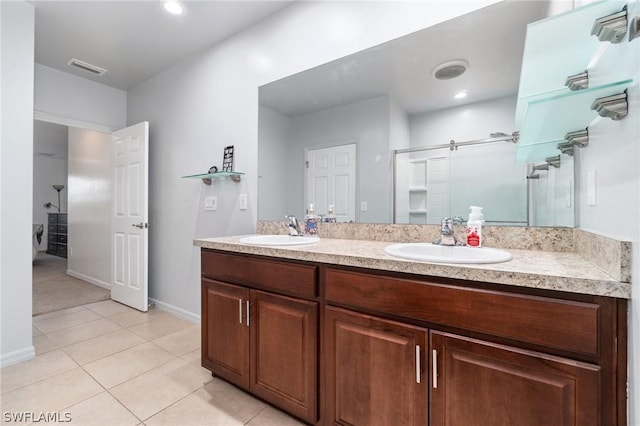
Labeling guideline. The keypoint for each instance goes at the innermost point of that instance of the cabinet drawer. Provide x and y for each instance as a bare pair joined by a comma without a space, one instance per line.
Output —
53,218
556,323
62,238
62,229
62,218
52,228
267,274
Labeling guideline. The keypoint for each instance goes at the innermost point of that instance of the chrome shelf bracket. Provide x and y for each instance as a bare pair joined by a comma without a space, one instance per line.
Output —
611,28
578,81
614,107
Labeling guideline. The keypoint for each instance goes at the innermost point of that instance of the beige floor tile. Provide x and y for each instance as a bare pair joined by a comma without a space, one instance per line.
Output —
193,355
35,331
127,319
79,333
52,394
273,417
160,325
101,410
130,363
29,372
231,400
43,344
108,308
159,388
195,410
43,317
182,341
103,346
48,325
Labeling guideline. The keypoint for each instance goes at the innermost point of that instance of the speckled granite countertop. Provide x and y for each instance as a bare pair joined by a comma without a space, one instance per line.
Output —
562,271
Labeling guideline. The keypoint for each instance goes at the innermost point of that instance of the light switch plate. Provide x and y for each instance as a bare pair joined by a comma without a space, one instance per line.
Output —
211,203
363,206
243,201
591,188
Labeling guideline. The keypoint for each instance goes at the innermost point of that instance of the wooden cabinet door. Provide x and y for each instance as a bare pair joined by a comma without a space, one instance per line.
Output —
480,383
284,335
374,374
225,332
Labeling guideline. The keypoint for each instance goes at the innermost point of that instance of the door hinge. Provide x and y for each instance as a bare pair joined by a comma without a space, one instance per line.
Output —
306,164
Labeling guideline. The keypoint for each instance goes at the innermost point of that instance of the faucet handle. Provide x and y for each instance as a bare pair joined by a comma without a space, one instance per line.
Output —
292,225
457,220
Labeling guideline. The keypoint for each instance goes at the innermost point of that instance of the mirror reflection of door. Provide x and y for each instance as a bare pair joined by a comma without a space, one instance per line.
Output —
331,180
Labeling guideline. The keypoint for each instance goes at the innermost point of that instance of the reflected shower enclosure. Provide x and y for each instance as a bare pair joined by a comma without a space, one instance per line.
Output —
439,181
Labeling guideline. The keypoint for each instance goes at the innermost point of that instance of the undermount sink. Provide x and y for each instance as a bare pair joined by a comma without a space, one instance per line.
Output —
448,254
278,240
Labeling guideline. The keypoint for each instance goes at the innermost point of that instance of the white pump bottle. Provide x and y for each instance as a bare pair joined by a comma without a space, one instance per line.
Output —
474,226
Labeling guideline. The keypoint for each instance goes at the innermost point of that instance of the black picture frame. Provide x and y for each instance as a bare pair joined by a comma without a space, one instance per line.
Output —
227,160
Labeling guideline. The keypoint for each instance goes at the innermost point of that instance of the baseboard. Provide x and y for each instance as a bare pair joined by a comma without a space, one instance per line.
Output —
89,279
179,312
15,357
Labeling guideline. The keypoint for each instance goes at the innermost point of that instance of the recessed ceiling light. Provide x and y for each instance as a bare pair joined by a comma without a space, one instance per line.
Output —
450,69
174,7
461,94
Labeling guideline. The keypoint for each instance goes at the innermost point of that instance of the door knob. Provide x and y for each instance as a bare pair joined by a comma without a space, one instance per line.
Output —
141,225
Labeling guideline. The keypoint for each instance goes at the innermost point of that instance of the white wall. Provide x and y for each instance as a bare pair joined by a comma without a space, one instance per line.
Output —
16,179
273,181
399,138
89,217
74,101
364,123
49,168
210,101
617,211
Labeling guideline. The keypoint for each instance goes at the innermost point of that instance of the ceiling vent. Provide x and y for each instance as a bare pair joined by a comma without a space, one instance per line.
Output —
450,69
93,69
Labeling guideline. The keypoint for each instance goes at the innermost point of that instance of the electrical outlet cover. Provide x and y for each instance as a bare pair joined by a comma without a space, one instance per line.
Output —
211,203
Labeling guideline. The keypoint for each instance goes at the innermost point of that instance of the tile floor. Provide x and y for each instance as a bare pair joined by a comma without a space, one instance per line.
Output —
108,364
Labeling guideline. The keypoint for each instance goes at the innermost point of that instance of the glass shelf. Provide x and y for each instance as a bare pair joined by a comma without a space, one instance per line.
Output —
207,178
549,59
549,117
539,152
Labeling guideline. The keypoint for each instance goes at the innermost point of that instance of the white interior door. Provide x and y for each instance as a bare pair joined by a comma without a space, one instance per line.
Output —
129,218
331,179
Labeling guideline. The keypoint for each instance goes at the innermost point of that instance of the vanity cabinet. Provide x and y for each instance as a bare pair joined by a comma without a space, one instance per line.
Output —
339,345
260,340
493,357
374,370
478,382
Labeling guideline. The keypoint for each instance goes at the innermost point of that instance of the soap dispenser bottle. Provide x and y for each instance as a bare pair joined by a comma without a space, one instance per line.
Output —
311,222
474,226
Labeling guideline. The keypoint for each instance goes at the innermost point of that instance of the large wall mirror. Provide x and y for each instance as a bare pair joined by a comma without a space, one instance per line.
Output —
344,135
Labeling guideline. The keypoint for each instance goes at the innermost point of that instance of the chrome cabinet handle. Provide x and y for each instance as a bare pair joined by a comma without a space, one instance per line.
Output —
248,313
418,364
240,311
435,369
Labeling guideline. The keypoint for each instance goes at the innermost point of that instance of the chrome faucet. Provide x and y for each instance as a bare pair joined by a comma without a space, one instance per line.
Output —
293,226
447,231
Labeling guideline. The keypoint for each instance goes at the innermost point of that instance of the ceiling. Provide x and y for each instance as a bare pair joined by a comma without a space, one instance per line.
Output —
135,40
491,40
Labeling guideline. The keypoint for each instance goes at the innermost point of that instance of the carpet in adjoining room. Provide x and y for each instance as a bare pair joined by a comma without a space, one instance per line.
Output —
54,290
